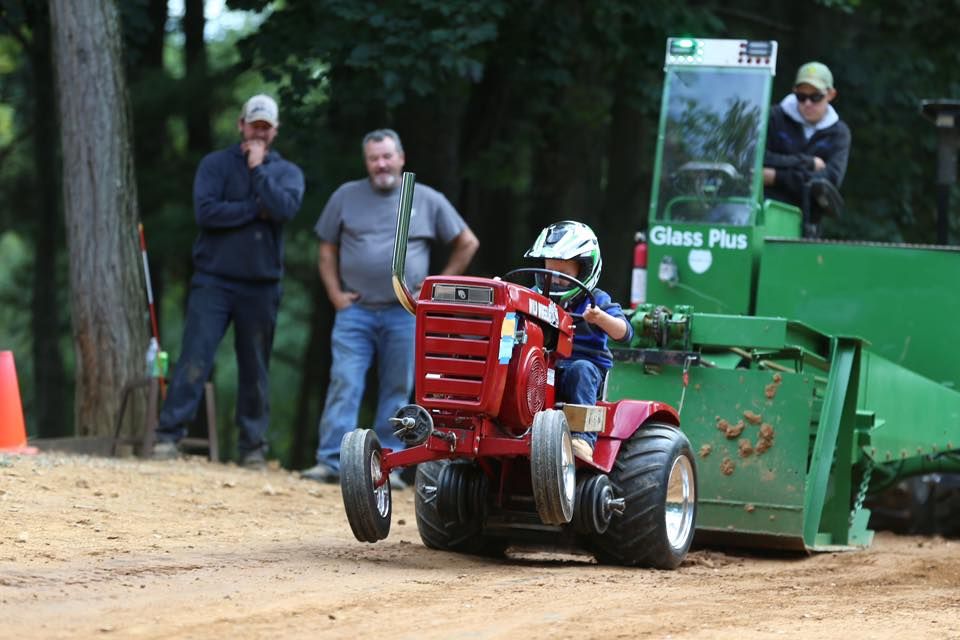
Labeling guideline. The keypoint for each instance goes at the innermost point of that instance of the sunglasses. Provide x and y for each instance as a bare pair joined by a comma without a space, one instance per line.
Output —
812,97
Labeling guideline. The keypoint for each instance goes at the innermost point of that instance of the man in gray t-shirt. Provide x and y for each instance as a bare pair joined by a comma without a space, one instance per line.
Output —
356,232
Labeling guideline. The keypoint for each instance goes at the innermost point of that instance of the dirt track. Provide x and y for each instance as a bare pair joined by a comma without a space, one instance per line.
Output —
121,548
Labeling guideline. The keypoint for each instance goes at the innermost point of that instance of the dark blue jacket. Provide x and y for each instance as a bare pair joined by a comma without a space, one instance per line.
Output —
241,215
593,346
791,154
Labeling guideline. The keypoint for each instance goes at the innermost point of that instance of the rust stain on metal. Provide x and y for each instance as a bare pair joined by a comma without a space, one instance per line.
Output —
745,448
771,389
727,467
752,418
705,450
731,431
765,441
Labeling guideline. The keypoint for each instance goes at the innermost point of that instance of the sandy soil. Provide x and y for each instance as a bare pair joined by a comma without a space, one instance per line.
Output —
129,549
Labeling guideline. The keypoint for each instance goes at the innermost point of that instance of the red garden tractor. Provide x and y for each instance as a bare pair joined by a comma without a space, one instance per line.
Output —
492,446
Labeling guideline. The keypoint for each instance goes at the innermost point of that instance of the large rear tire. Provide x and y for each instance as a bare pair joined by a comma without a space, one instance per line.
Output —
450,504
655,473
368,506
553,473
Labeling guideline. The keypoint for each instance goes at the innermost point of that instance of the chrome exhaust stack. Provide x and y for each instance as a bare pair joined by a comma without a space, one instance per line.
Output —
400,288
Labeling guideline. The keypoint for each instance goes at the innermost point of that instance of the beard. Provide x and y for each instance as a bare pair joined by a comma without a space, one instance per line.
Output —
384,181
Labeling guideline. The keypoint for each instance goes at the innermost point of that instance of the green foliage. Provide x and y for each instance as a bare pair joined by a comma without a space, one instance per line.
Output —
9,55
388,50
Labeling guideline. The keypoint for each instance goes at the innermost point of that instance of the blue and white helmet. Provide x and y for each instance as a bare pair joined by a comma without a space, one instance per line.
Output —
569,240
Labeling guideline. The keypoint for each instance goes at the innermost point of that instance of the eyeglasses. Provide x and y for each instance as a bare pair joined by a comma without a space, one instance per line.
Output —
812,97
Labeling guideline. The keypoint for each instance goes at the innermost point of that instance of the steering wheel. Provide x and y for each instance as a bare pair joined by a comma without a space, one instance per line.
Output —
562,276
707,177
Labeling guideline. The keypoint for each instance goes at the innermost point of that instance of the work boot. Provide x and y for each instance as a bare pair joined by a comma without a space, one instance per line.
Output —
321,473
582,449
254,460
165,450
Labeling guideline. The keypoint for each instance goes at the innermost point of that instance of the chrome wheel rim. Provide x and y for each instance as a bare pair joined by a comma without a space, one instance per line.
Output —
381,493
680,503
568,469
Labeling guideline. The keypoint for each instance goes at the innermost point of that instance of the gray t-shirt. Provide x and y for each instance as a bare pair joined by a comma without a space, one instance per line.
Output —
363,222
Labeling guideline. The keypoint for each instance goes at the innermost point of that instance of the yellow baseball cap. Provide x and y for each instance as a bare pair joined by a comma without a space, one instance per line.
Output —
815,74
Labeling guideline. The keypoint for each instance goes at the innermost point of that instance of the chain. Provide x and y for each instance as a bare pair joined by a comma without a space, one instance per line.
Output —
862,491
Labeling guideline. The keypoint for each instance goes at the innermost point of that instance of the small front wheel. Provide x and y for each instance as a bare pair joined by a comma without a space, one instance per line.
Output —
365,490
553,473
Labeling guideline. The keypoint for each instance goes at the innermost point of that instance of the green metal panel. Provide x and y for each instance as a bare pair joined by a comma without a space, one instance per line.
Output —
757,333
781,220
833,440
900,298
916,417
715,265
739,331
741,490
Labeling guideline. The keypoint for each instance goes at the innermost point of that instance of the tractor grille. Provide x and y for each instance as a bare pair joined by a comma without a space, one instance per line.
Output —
454,358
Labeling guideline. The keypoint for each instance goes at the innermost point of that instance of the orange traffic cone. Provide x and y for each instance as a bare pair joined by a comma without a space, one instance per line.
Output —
13,433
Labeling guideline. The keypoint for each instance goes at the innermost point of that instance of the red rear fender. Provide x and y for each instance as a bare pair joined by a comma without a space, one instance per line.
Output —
625,416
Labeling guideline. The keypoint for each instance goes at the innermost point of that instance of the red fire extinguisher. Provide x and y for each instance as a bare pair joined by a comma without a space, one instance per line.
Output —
638,286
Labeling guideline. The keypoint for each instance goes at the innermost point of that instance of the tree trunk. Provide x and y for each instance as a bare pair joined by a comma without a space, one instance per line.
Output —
199,135
48,371
100,200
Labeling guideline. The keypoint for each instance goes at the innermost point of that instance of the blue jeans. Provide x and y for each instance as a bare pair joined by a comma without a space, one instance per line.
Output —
578,382
359,334
210,309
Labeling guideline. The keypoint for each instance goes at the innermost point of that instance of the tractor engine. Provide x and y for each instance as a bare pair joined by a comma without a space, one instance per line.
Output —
487,349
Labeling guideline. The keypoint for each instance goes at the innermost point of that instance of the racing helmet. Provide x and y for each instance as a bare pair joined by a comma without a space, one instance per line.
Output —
569,240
